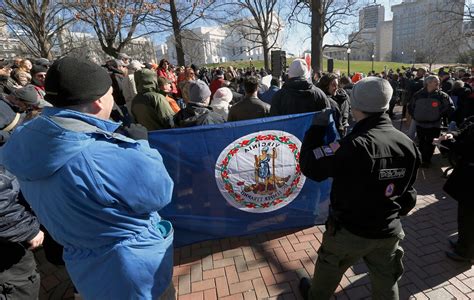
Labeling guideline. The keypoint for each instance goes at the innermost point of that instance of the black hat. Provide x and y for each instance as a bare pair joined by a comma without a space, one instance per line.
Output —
219,73
5,63
8,118
38,69
42,62
71,81
442,72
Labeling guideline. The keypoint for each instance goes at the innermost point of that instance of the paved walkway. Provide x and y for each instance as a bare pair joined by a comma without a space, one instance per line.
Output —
268,266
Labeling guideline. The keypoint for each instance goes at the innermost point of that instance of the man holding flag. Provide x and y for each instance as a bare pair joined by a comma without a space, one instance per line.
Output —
373,169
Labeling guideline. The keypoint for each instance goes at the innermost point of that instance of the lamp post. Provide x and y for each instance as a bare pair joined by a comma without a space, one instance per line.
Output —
414,57
348,61
373,56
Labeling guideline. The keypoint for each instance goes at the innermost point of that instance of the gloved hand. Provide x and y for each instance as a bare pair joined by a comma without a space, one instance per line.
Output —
322,118
136,132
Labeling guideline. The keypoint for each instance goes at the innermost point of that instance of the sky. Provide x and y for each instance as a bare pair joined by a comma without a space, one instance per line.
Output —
297,38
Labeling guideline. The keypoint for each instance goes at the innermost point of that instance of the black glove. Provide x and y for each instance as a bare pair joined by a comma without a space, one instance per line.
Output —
322,118
136,132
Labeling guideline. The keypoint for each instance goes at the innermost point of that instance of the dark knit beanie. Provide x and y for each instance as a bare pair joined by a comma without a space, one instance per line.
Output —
38,69
71,81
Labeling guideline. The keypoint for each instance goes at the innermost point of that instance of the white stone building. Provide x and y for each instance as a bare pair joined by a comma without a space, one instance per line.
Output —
9,47
217,44
86,45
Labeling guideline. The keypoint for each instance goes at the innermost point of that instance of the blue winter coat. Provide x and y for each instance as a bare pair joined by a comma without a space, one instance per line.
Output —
98,195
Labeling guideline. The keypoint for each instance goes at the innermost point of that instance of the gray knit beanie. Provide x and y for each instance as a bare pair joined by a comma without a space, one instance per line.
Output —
199,92
371,94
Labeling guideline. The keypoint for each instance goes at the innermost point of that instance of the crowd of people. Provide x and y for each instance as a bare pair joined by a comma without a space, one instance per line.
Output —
73,134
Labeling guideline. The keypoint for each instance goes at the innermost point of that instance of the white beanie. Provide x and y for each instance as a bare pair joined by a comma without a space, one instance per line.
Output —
298,68
224,94
371,94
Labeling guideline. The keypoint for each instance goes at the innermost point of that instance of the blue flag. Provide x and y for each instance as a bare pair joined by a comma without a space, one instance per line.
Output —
240,178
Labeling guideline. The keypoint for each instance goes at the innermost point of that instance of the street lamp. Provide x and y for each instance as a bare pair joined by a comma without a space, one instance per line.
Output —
348,61
402,56
373,56
414,57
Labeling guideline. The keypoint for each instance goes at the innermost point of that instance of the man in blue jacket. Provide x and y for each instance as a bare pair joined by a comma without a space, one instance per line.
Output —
97,192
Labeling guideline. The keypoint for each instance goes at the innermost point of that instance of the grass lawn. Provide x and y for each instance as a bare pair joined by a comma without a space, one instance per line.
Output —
339,65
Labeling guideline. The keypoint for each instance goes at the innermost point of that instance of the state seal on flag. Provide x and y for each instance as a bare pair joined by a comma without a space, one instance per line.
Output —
260,172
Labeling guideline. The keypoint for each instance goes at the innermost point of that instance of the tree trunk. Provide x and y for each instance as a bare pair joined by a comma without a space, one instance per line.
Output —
110,50
266,53
317,35
177,34
45,50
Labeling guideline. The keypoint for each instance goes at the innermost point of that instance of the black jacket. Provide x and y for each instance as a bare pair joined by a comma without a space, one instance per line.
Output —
248,108
298,96
343,102
465,103
447,85
17,224
373,170
445,106
415,85
459,183
195,115
117,85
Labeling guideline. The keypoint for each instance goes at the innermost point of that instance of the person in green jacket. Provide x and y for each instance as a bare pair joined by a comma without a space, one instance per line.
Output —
149,107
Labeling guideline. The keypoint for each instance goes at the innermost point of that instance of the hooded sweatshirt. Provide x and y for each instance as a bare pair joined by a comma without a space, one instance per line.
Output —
298,96
98,194
149,107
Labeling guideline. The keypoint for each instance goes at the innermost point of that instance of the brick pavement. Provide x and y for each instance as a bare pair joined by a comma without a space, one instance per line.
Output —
268,266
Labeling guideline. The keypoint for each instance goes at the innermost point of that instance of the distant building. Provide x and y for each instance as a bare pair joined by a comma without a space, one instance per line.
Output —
206,45
370,16
468,37
371,38
202,45
335,53
87,46
384,41
427,30
9,47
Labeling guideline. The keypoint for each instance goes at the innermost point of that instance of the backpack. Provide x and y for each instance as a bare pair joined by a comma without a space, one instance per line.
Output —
427,110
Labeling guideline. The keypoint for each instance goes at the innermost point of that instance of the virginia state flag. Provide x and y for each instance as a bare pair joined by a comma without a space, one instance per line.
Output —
240,178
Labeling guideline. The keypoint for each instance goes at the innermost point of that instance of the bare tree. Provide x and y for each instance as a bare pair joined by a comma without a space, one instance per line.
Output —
116,23
36,23
177,16
324,16
257,22
456,12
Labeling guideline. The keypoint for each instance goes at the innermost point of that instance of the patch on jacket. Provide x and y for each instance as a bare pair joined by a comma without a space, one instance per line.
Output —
385,174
